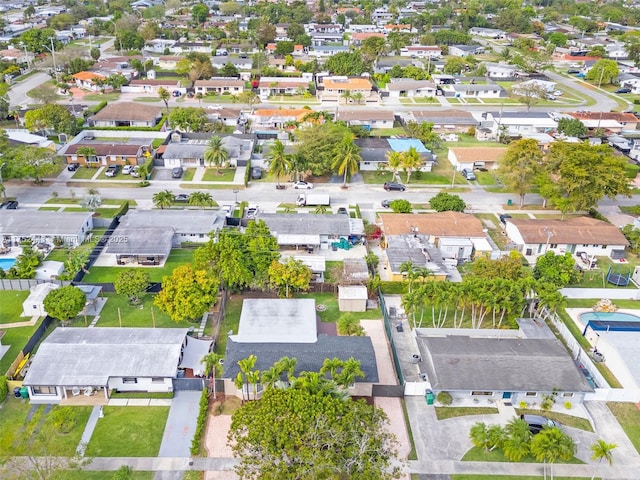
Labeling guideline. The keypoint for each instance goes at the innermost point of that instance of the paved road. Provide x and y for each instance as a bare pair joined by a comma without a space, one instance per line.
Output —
18,93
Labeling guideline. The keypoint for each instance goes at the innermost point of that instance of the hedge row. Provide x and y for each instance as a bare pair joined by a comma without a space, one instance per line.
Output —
247,173
202,420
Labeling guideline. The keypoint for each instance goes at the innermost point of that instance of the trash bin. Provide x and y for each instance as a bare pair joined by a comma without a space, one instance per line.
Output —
16,392
429,397
24,392
399,328
509,202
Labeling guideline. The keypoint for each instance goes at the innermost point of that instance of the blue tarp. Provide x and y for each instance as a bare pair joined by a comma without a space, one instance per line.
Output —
404,144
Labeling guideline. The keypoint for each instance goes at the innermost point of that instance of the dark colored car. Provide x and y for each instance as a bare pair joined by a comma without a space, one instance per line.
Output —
386,203
573,71
12,205
537,423
182,197
177,172
343,211
623,90
468,174
394,186
72,167
112,171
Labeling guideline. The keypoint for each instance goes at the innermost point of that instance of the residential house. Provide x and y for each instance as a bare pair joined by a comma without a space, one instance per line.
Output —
269,86
326,51
409,88
476,157
357,38
159,45
242,64
307,231
333,88
270,119
23,137
88,80
188,47
516,123
500,70
219,86
327,39
612,121
465,50
95,361
374,152
149,85
126,114
274,328
72,228
168,62
444,121
187,149
628,80
487,32
488,90
544,86
500,365
421,51
367,118
576,235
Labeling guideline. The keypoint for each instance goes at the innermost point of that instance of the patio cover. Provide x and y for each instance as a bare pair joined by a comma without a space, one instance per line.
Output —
193,353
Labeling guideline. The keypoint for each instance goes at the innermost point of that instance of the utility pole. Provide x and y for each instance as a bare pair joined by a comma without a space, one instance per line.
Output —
53,54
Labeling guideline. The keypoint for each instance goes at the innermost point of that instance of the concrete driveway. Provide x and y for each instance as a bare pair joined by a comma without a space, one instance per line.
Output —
181,425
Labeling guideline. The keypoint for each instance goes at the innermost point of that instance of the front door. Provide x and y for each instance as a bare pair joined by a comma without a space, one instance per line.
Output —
506,395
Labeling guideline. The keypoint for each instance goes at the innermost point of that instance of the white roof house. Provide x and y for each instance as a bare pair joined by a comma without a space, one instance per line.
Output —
290,320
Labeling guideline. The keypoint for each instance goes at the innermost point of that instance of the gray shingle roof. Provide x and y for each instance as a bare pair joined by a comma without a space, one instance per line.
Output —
499,364
34,222
309,355
141,241
182,221
306,224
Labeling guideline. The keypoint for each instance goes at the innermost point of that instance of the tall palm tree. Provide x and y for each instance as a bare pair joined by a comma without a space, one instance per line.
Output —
212,366
602,450
394,160
288,366
331,366
350,371
216,154
551,445
516,441
163,199
357,97
278,160
200,199
346,95
411,161
298,163
479,435
271,377
246,366
347,159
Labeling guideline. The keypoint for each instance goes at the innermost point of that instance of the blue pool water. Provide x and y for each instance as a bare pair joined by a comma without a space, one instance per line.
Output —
7,263
608,317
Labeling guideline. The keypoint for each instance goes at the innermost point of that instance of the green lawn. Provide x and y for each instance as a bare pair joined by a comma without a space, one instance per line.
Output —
133,316
212,175
17,338
387,132
628,415
188,174
128,432
480,455
564,419
119,176
85,173
331,312
212,186
11,301
230,322
486,178
101,97
13,418
49,209
450,412
176,258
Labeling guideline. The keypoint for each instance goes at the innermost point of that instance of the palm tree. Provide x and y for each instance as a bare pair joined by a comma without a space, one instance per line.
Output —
479,435
320,210
163,199
91,201
246,366
395,162
602,450
164,95
516,442
347,159
200,199
216,154
551,445
271,377
212,366
411,161
331,366
346,95
298,163
350,371
288,366
278,160
357,97
495,436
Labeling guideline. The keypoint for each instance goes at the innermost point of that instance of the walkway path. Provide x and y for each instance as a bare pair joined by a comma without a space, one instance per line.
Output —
26,323
96,413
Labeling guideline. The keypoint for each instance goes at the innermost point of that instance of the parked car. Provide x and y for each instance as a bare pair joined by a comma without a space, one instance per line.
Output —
468,174
177,172
251,212
538,422
127,169
227,209
112,171
12,205
72,167
386,203
135,172
623,90
394,186
573,71
343,211
182,197
176,93
301,184
256,173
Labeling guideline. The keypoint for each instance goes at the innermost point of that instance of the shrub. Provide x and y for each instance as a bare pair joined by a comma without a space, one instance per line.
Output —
631,170
144,183
394,288
202,420
4,387
444,398
568,405
247,173
523,405
63,419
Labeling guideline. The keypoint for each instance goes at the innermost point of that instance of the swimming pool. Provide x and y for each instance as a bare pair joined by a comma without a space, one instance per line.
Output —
610,321
7,263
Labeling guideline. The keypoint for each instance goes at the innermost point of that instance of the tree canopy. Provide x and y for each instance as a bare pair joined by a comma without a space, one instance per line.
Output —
188,119
65,303
447,202
520,166
187,293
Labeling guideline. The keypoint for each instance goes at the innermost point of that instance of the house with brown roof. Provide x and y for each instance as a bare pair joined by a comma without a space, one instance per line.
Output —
332,89
127,114
219,86
276,118
88,80
358,37
612,121
576,235
476,157
147,85
268,86
444,239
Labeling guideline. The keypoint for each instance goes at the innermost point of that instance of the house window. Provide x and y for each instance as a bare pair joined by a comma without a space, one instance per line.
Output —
44,390
567,394
553,245
531,394
129,380
157,380
480,393
604,247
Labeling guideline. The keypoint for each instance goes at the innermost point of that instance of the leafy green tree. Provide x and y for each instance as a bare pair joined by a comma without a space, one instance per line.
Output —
54,117
31,162
346,63
27,261
558,270
454,65
400,206
349,325
508,267
164,199
188,119
132,283
64,303
520,166
604,71
446,202
278,160
129,40
35,40
216,154
529,93
322,437
292,276
632,234
199,13
601,450
346,161
552,445
319,145
572,127
229,70
266,33
424,132
284,47
187,294
558,39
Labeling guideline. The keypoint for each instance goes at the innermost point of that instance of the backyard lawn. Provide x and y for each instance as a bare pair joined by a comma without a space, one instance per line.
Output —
134,315
212,175
331,312
128,432
628,415
230,322
176,258
11,302
16,338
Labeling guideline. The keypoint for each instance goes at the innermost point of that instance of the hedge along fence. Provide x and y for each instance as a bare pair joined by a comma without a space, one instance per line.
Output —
93,110
247,173
123,209
201,422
